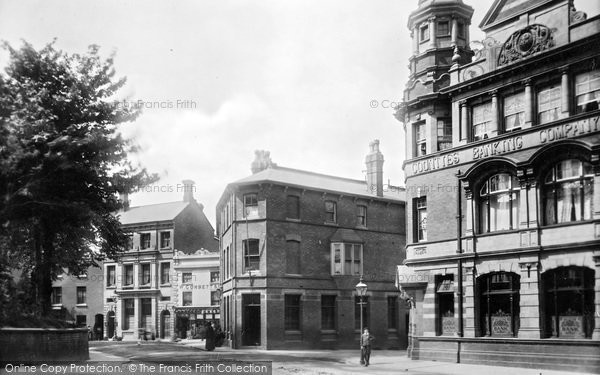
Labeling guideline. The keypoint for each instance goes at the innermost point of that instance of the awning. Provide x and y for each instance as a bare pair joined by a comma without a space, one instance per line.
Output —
408,277
197,310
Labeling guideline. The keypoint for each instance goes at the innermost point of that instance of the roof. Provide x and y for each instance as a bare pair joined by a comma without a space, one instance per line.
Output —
317,181
503,10
152,212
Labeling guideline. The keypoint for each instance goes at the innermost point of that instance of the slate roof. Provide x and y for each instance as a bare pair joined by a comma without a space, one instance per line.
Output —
317,181
152,212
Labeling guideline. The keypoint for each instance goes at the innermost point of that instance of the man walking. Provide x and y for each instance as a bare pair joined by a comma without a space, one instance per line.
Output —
365,347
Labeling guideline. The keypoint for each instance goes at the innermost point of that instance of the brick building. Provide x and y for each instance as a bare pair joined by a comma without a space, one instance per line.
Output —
294,245
78,298
139,286
503,185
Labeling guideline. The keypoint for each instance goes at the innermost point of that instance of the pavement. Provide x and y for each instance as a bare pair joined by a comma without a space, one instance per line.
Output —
311,362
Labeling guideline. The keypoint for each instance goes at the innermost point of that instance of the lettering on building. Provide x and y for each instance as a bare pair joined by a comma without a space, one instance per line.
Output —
497,148
437,162
568,130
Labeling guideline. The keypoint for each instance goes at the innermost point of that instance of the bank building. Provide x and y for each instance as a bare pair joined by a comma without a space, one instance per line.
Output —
503,185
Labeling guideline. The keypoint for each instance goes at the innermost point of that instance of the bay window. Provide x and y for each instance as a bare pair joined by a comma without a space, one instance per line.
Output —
346,258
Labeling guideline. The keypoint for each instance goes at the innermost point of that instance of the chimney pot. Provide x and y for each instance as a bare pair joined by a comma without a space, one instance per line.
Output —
188,190
124,197
262,161
374,162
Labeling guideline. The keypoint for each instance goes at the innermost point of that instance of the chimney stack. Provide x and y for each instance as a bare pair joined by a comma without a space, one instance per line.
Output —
188,190
374,161
124,197
262,161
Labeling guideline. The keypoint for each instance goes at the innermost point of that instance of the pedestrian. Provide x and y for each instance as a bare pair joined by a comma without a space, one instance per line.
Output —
365,347
210,337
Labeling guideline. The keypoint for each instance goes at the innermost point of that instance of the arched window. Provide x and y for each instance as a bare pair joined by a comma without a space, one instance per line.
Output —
568,302
568,191
498,304
499,203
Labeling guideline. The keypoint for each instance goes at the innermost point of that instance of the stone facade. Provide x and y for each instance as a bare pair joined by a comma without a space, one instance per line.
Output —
503,256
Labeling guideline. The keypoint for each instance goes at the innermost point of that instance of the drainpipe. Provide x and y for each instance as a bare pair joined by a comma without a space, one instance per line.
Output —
460,264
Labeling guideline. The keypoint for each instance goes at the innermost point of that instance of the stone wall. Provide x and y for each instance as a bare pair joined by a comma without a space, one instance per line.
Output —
43,344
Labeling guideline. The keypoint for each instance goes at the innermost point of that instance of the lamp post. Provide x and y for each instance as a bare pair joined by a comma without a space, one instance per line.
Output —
361,290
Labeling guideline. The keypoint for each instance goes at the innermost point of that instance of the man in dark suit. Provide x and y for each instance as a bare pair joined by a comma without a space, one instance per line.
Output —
365,347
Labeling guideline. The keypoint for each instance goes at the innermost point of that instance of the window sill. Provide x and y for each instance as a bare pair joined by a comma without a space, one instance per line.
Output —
331,223
57,306
127,286
145,286
111,286
293,220
166,285
81,305
567,224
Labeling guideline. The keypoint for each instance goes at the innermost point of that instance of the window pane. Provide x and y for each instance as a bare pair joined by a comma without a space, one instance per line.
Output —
328,312
337,259
482,117
549,104
587,91
292,312
348,259
514,111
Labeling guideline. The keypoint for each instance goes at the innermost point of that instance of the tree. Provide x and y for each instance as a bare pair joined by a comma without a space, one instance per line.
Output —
63,163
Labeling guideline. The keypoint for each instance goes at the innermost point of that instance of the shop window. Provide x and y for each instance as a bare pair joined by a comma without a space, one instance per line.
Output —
587,91
292,312
549,104
328,320
568,192
499,203
498,301
514,112
568,302
347,258
444,294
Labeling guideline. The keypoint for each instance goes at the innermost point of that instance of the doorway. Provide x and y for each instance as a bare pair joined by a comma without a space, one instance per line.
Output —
165,324
111,324
99,326
251,320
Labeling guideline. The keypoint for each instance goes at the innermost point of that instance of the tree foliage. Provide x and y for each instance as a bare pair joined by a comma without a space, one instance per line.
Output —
62,163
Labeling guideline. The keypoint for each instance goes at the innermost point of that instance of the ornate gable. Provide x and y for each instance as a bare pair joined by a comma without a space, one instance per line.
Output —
504,10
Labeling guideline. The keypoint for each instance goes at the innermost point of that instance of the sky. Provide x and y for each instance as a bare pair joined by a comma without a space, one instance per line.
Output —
311,81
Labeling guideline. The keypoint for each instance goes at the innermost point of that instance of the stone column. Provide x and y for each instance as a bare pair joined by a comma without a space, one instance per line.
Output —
464,120
564,91
529,309
528,104
414,34
469,299
155,317
596,196
523,213
136,274
494,119
432,40
454,31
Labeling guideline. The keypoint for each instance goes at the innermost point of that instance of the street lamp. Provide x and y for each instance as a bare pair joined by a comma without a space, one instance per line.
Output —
361,290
